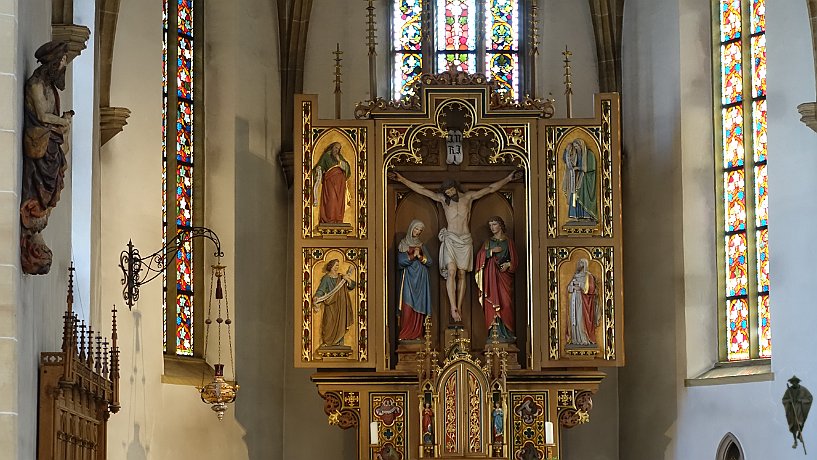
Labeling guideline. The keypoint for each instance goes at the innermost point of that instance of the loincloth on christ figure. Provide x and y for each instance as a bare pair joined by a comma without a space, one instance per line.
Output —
455,248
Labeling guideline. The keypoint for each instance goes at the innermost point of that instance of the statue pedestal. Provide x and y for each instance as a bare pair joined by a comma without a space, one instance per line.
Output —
407,355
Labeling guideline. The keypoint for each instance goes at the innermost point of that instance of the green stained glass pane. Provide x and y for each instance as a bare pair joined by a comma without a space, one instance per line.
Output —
460,61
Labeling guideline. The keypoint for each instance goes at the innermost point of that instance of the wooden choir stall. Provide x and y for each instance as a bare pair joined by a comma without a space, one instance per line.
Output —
458,268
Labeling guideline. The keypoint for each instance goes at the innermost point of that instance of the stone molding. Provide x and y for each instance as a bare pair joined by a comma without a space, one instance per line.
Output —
112,121
75,35
808,114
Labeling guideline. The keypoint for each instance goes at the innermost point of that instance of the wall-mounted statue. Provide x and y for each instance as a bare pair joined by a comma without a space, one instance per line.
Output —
46,144
456,244
496,265
333,294
414,291
579,184
331,174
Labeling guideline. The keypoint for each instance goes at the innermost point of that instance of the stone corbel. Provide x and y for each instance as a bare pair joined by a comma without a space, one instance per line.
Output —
808,110
75,35
112,121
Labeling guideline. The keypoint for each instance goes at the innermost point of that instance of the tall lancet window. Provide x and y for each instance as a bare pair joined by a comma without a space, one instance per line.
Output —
741,179
181,168
474,36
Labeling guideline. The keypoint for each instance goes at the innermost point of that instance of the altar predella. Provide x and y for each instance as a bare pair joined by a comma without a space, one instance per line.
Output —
458,268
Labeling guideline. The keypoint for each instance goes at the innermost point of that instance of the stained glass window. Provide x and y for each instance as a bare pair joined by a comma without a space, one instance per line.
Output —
741,96
178,189
474,36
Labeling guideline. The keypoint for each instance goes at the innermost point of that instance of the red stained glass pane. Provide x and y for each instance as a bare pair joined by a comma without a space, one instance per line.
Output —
736,265
186,17
763,260
184,196
764,329
759,130
758,16
730,19
456,25
761,196
184,132
759,65
731,73
184,325
733,150
734,188
737,325
184,68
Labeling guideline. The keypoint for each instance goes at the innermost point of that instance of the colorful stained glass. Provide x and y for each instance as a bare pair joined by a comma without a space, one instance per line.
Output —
164,64
184,132
733,150
764,328
184,267
730,19
758,16
761,196
734,189
184,68
407,25
759,65
184,196
763,260
459,61
731,73
164,15
504,68
184,325
759,130
737,325
736,265
502,22
407,70
456,27
186,17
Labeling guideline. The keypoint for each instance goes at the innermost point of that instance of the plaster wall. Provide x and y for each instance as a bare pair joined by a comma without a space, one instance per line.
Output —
671,322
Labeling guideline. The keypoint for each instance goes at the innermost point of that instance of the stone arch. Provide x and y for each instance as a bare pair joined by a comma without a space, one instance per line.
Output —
730,448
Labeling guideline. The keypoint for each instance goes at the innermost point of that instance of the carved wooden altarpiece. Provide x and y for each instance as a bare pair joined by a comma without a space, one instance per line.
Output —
474,388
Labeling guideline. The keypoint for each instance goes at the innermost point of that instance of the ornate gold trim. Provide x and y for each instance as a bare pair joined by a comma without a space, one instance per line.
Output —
342,408
391,434
573,407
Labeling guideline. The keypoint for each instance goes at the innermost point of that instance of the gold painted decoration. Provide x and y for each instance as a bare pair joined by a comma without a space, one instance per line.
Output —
528,417
335,182
475,409
581,307
574,407
450,402
389,410
342,408
335,305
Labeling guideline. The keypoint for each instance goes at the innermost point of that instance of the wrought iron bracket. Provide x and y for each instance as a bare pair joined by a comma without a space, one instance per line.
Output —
132,263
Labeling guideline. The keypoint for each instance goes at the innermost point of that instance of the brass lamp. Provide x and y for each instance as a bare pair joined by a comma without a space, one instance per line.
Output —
219,392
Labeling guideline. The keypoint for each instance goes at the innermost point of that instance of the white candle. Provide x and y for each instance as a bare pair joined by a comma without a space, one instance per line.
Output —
374,439
549,433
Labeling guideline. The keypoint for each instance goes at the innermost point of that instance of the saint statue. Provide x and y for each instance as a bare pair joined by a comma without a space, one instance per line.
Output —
456,248
414,298
496,265
585,310
333,294
428,424
46,144
579,184
797,402
497,422
330,175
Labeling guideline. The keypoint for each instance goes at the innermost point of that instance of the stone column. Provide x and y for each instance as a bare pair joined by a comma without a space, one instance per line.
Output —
10,122
808,110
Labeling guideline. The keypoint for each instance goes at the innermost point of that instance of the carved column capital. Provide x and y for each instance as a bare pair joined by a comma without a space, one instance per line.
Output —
808,114
75,35
112,121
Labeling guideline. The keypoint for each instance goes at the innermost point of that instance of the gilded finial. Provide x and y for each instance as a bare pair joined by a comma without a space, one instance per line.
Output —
338,81
370,38
568,82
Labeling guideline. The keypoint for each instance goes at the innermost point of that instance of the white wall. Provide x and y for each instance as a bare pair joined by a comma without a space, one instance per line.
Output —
670,272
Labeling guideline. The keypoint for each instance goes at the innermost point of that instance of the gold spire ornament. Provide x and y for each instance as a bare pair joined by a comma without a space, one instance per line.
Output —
568,83
219,392
338,81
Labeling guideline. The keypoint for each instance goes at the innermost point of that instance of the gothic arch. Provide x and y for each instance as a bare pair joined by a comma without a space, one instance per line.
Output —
730,448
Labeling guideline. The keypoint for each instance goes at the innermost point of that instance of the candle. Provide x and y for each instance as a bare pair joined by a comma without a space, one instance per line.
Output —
374,439
549,433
